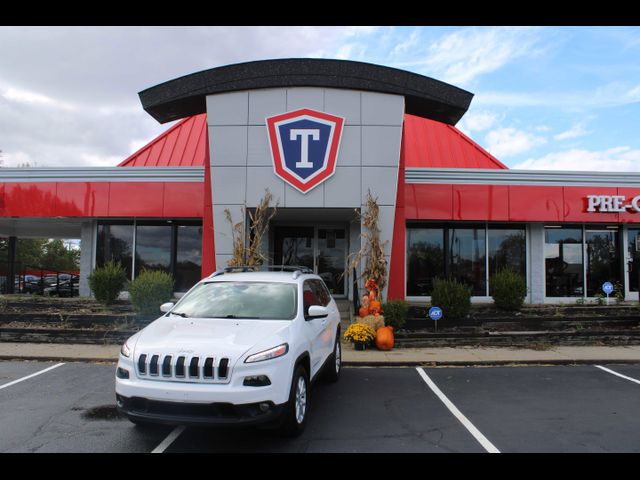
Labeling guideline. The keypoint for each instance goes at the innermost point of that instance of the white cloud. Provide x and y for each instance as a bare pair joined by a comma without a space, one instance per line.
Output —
618,159
504,142
478,121
463,55
612,94
578,130
76,102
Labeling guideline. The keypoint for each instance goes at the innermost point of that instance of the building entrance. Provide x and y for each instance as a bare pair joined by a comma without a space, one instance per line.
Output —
323,249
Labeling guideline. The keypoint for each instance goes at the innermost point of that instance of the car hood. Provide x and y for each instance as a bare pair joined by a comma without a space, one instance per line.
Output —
206,336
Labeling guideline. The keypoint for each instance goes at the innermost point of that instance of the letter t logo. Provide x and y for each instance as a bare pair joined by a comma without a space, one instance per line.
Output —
304,134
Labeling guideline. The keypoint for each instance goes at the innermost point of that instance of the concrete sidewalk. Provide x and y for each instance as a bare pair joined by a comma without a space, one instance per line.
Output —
460,356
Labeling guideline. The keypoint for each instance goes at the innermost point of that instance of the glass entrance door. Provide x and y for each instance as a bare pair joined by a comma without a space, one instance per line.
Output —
322,249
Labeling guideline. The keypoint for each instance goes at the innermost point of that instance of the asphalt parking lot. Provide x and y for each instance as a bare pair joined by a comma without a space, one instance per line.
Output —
50,407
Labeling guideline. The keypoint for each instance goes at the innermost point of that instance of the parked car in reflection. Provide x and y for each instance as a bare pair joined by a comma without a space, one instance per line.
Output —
67,286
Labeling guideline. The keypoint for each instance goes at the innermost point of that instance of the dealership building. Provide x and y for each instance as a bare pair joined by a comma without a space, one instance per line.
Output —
320,135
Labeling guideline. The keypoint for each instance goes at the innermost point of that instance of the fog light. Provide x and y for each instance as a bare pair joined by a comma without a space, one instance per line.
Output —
122,373
256,381
264,407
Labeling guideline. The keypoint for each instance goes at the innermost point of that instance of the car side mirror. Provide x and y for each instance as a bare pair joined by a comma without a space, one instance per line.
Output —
165,307
317,311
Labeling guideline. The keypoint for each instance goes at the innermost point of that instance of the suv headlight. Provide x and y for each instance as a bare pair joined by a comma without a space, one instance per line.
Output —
125,351
274,352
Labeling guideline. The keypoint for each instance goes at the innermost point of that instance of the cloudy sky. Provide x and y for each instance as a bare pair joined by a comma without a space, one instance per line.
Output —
545,97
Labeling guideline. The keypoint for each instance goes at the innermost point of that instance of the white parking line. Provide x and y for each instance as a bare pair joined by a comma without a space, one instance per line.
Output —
617,374
30,376
486,444
169,440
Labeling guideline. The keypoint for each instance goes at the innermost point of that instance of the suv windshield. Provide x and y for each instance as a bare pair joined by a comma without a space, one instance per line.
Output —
253,300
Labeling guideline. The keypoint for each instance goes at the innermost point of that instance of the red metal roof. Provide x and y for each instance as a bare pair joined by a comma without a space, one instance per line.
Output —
183,145
426,143
430,144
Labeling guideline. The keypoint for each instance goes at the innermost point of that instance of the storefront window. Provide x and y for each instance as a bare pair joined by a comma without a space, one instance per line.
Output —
425,259
171,246
460,252
603,260
633,237
188,256
467,258
564,262
115,242
507,249
153,248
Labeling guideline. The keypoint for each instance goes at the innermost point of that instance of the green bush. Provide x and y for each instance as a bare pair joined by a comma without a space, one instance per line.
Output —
454,298
149,290
395,313
508,289
107,282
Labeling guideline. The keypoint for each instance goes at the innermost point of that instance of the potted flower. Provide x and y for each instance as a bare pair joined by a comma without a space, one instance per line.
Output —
360,335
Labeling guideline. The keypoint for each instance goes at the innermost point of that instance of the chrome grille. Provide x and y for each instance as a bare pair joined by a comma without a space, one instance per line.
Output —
182,368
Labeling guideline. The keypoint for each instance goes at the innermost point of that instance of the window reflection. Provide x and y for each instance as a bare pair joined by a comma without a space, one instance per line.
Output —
153,248
171,246
115,242
425,259
603,262
188,256
467,258
563,262
460,252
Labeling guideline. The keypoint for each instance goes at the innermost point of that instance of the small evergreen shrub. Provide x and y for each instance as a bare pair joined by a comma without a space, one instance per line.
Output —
453,297
107,282
395,313
149,290
508,290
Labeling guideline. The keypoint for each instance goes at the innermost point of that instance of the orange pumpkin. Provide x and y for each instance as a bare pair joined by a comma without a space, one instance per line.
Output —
375,306
364,311
384,338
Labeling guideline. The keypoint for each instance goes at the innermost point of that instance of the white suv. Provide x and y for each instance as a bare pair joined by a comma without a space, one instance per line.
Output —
241,347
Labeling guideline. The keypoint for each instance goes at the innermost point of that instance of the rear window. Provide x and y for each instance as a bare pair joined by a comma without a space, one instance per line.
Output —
242,300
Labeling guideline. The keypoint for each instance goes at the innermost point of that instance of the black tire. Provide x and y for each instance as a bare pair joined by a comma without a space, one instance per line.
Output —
295,415
333,367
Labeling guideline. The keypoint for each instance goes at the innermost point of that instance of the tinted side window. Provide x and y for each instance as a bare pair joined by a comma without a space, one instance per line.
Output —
309,296
321,292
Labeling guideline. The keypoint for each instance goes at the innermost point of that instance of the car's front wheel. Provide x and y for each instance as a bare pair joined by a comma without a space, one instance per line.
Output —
334,363
295,415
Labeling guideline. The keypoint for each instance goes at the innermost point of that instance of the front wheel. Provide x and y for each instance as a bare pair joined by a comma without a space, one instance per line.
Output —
334,363
295,415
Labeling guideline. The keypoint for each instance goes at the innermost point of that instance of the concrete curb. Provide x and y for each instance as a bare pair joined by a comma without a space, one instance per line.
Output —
415,357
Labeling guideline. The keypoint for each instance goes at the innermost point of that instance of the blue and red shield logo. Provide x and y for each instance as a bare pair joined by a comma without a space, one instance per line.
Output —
304,146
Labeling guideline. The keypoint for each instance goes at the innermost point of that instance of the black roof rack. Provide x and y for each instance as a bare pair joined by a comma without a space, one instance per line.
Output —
256,268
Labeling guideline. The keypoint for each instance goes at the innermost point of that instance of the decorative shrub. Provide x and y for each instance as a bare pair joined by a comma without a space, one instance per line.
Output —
508,290
454,298
107,282
149,290
395,313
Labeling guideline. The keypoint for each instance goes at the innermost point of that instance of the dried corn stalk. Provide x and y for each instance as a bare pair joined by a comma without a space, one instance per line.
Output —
372,249
237,237
250,253
259,224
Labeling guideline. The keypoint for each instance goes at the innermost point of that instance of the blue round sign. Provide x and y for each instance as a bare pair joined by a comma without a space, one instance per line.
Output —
435,313
607,287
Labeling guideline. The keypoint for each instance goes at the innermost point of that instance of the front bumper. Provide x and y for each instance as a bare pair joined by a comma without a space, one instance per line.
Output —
202,414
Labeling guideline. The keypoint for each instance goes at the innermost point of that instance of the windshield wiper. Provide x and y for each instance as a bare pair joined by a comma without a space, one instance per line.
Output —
180,314
235,317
